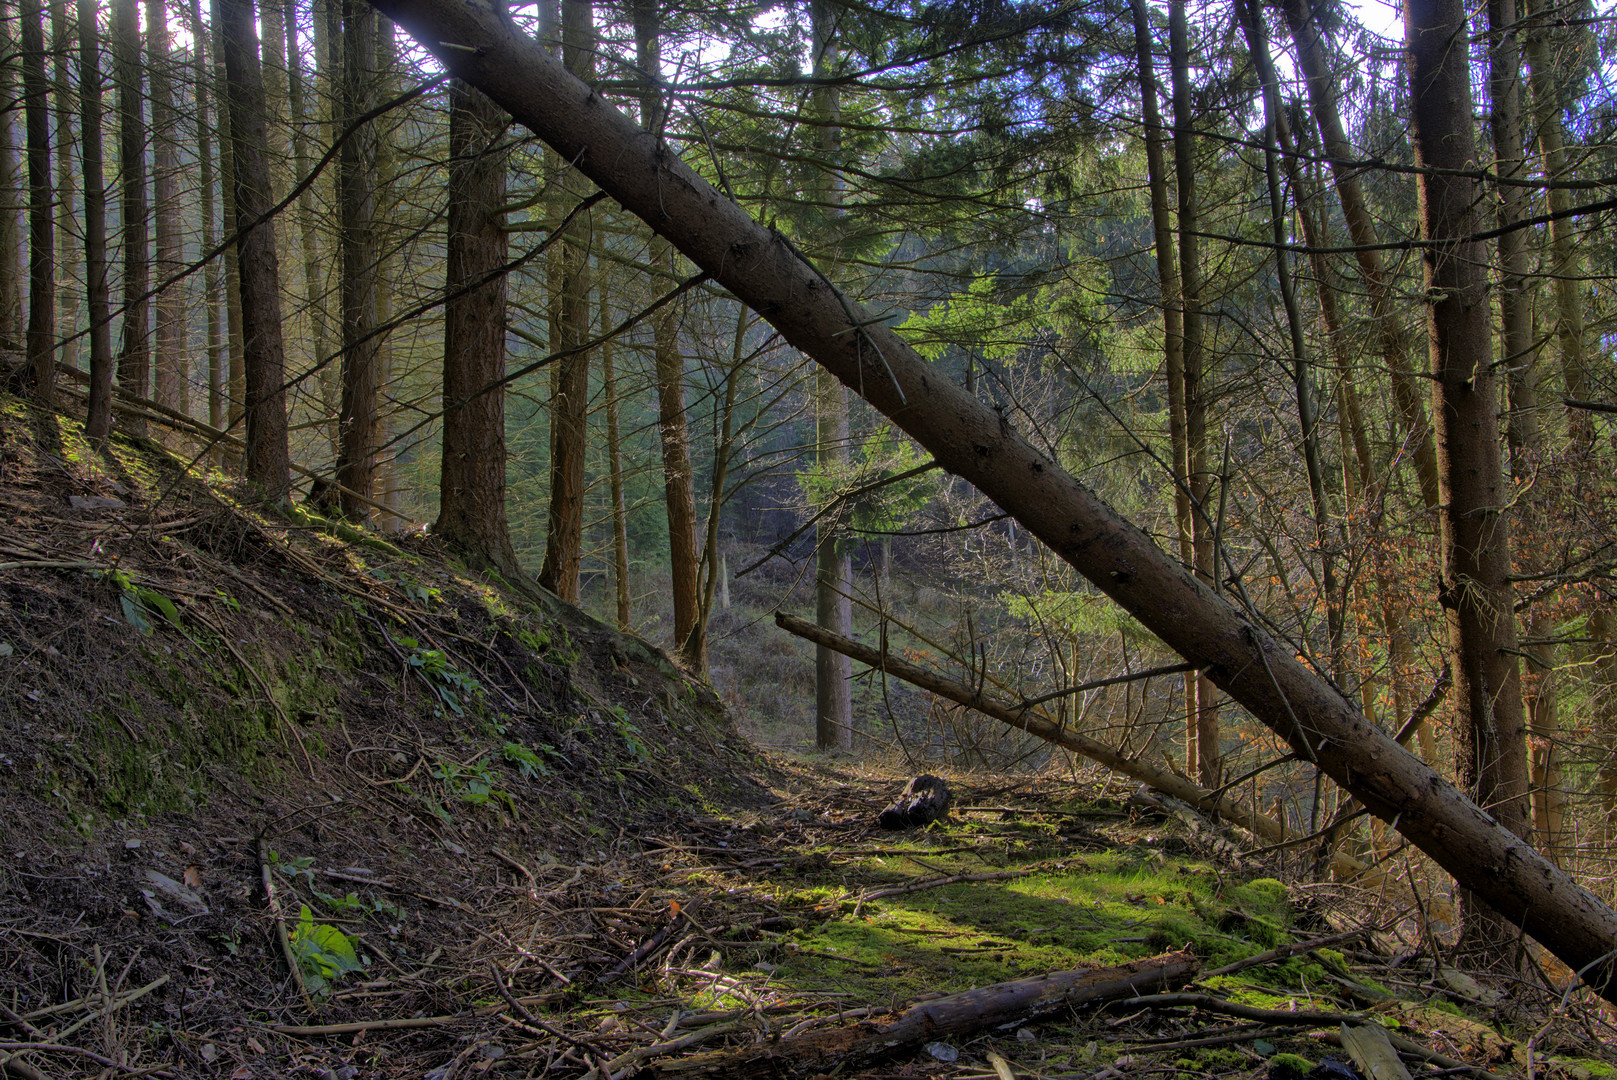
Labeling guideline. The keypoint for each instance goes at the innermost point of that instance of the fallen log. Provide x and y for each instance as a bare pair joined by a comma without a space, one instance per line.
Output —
481,44
956,1016
1035,722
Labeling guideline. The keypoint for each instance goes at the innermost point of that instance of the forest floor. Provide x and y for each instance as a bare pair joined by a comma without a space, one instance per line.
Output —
279,798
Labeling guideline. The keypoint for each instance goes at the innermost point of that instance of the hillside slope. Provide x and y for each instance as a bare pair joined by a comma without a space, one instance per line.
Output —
182,675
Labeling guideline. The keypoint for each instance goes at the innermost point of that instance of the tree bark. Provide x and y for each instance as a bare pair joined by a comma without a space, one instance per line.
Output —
1524,433
1201,699
766,272
833,565
12,195
213,273
614,468
134,351
1475,592
570,320
268,461
235,381
690,637
98,418
169,359
63,46
41,339
359,417
471,512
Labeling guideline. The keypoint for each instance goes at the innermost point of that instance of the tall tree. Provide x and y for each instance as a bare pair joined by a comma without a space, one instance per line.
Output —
359,417
833,566
63,46
98,419
214,273
12,197
1490,728
314,282
570,321
169,360
236,369
268,459
1201,722
690,636
41,208
472,480
134,351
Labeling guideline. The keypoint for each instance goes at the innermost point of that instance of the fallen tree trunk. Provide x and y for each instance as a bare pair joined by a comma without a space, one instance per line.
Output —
960,1015
761,267
1035,722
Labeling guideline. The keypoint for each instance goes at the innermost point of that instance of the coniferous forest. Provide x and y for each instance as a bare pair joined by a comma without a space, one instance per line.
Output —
1218,398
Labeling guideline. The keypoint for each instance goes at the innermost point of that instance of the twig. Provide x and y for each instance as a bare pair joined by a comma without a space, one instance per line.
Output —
1282,953
363,1025
113,1006
933,883
280,922
619,1067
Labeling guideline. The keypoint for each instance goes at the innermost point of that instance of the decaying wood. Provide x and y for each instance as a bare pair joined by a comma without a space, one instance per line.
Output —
1368,1046
1036,722
949,1017
1230,646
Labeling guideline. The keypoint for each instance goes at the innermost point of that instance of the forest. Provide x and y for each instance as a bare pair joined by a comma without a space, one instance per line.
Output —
1221,394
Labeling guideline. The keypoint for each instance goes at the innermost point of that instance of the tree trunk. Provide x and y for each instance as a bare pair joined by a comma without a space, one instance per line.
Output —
268,461
387,485
41,209
328,78
614,466
970,440
570,320
1173,330
213,273
314,285
67,230
1475,592
236,370
472,480
690,637
12,196
359,413
1525,435
833,566
98,420
134,351
1386,308
169,360
1201,709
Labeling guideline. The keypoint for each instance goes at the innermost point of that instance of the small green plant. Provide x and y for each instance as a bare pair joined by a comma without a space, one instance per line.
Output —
324,953
528,764
139,601
629,733
472,783
453,687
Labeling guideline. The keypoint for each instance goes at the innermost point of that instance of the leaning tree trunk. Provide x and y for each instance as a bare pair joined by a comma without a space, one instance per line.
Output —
472,478
268,461
41,209
767,273
98,419
1490,728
